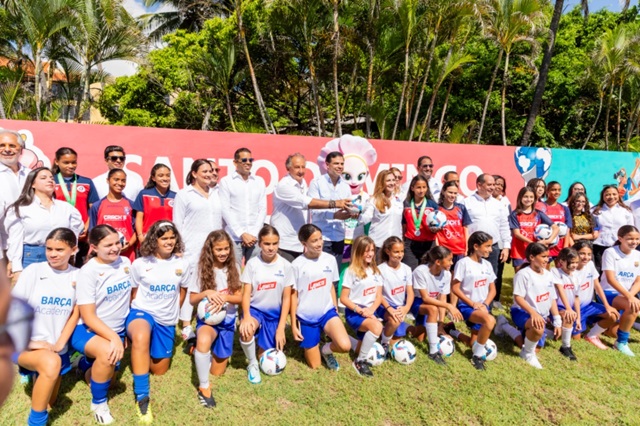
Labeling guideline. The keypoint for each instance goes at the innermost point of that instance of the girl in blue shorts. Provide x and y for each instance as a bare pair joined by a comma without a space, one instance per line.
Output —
103,295
565,278
219,281
314,306
160,280
50,288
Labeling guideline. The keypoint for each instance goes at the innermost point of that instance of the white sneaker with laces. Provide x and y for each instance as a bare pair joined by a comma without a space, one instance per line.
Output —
253,373
531,359
101,413
187,333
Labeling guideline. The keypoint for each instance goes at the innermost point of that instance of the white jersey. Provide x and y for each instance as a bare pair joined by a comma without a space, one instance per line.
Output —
395,283
569,283
268,281
536,289
222,287
108,286
626,267
586,283
363,290
52,294
159,282
313,280
475,278
423,279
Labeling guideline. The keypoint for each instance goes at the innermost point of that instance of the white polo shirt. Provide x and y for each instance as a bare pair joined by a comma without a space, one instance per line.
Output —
490,216
290,202
244,204
196,216
11,184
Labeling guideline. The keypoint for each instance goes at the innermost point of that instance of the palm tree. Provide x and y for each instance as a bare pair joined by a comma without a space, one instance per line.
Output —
335,5
187,15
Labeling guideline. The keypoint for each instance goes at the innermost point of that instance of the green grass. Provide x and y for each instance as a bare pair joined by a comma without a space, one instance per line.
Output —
601,388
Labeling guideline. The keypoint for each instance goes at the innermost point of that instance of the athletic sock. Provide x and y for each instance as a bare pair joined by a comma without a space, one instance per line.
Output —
141,386
384,339
623,336
99,391
203,365
511,331
354,342
566,337
326,349
249,349
84,364
432,337
478,349
529,346
455,333
38,418
367,343
596,331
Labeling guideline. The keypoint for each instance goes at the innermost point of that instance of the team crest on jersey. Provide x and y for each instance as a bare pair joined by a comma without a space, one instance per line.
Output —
179,272
81,188
170,202
126,269
127,210
73,284
636,264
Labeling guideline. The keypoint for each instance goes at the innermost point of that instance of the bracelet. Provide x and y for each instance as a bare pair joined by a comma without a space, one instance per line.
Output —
387,308
332,204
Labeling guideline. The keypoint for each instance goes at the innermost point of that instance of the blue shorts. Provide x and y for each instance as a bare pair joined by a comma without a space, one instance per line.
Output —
355,322
65,364
415,309
520,318
222,347
81,336
466,312
33,254
518,262
610,295
162,336
266,334
590,314
311,331
401,331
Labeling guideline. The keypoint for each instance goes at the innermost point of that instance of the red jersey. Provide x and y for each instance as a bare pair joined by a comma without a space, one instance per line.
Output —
86,193
154,206
407,219
526,223
452,235
557,213
118,214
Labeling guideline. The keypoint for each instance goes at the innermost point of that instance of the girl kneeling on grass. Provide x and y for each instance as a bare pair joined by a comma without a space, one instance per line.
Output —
218,281
621,282
474,285
50,288
432,281
266,300
160,280
361,295
565,279
397,291
314,306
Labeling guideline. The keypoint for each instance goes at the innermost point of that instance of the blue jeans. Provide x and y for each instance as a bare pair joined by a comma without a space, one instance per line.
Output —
33,254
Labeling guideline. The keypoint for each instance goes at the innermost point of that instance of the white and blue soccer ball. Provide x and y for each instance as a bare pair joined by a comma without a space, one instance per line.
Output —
542,232
446,347
562,229
436,219
492,350
376,355
210,318
404,352
532,162
273,362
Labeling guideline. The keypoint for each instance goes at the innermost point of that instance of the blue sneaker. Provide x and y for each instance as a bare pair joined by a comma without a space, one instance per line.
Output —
331,361
623,348
253,374
25,379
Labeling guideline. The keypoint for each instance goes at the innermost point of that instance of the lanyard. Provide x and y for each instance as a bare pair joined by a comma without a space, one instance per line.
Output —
74,189
417,220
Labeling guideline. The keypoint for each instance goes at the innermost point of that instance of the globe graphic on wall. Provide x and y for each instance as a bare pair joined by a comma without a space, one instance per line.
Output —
532,162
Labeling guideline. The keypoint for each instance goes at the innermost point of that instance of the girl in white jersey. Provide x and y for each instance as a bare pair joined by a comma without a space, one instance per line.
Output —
266,300
49,287
432,281
397,291
314,306
474,285
621,282
565,278
159,279
103,295
219,281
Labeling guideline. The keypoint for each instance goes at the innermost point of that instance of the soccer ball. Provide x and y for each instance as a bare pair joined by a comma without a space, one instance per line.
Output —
492,350
562,229
273,362
436,219
542,232
532,162
404,352
376,355
555,241
210,318
446,346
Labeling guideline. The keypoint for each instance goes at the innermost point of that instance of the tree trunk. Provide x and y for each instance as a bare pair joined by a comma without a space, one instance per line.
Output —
619,113
486,101
314,88
426,127
593,127
505,82
3,116
369,89
402,94
230,111
38,93
336,48
444,110
544,74
424,85
349,91
606,121
205,120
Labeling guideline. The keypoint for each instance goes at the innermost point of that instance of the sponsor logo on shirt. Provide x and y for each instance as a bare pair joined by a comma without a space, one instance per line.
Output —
126,285
480,283
397,290
529,224
114,217
368,291
317,284
267,286
569,287
434,294
542,297
626,274
327,269
225,291
584,286
163,287
279,274
57,301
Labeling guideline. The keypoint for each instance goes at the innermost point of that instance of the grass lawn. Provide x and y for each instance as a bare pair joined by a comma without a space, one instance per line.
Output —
601,388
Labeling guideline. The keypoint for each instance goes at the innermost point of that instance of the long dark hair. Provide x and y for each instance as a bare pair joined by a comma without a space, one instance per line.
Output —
157,230
59,153
478,238
151,183
206,271
415,180
98,234
446,186
194,169
388,245
601,203
586,212
28,193
523,191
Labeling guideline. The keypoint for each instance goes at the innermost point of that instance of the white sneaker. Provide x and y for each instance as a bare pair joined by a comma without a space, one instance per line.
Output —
253,373
101,413
187,333
531,359
501,321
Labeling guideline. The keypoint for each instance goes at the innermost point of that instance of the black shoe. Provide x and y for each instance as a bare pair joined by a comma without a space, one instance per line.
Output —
478,363
437,358
189,346
568,353
362,367
449,327
206,401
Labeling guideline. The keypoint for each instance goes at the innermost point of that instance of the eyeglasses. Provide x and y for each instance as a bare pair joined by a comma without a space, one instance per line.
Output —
399,177
427,166
114,158
215,169
246,160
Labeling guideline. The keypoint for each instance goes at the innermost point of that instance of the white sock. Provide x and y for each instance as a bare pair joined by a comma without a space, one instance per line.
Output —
529,346
186,310
478,349
596,331
432,337
249,349
367,343
454,333
203,365
354,342
384,339
566,337
326,349
511,331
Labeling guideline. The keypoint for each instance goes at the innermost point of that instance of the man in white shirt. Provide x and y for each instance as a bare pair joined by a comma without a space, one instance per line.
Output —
331,186
491,216
290,204
12,175
244,205
115,158
425,169
215,174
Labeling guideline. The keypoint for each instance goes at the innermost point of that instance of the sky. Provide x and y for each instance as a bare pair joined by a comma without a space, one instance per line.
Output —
137,8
